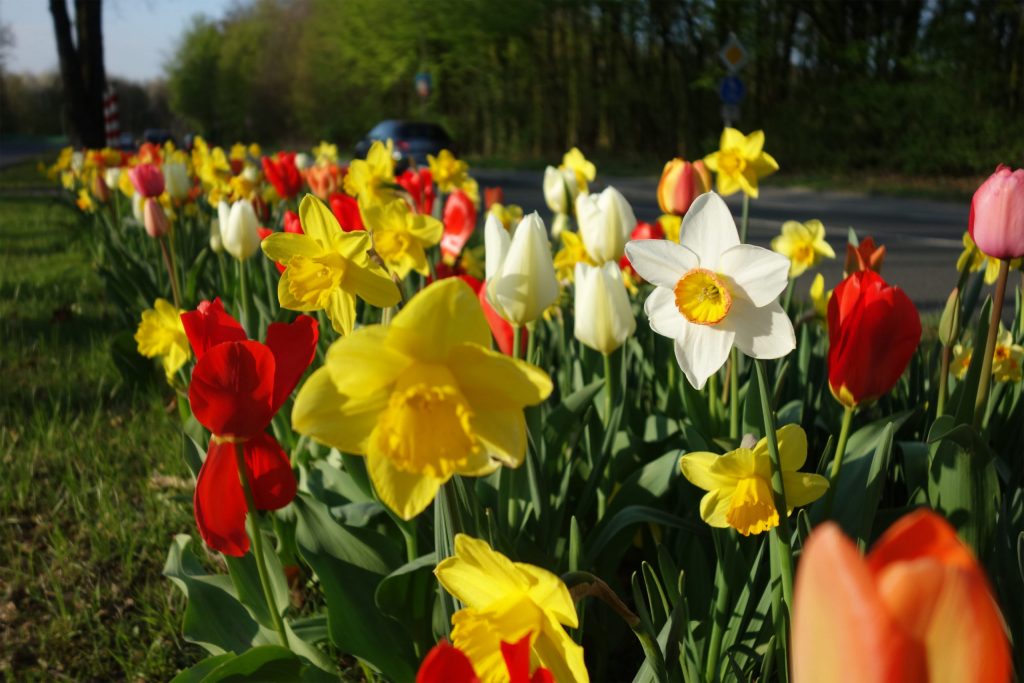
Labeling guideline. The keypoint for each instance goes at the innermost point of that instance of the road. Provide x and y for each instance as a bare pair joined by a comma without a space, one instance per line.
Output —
922,237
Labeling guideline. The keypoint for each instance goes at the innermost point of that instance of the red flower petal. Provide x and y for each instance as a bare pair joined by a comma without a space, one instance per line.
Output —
517,659
293,345
219,503
292,223
446,664
270,472
232,389
459,223
346,210
283,174
210,325
500,328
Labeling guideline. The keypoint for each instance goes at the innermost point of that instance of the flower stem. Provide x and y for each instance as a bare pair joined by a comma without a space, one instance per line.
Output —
744,218
171,272
720,612
984,383
516,351
609,388
782,532
734,394
837,462
940,407
531,336
257,544
243,280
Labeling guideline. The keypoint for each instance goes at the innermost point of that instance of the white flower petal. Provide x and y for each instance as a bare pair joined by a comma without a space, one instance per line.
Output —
660,262
758,274
702,350
604,318
496,243
765,332
663,313
708,229
525,283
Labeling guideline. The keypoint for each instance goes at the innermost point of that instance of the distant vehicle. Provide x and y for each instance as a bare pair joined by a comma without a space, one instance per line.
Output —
413,140
157,136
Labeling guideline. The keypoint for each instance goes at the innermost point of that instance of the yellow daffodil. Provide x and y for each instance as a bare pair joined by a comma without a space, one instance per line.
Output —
508,215
401,236
1007,358
739,482
584,170
803,244
448,172
161,334
471,262
819,297
327,268
974,260
961,360
671,225
325,153
423,398
472,190
85,202
740,162
572,252
504,602
371,180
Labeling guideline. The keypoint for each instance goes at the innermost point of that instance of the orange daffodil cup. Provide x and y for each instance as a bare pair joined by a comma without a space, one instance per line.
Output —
917,609
712,292
422,399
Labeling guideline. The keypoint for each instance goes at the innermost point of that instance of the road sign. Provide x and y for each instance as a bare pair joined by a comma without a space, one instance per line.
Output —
424,84
731,90
733,54
730,114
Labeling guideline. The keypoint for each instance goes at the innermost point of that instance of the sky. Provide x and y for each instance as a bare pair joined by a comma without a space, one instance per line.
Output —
139,36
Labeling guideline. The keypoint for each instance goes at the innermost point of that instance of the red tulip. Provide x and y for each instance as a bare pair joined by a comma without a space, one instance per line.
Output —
493,195
997,214
682,182
917,609
323,180
237,387
501,329
642,231
283,174
865,256
154,218
346,210
148,180
459,223
446,663
873,330
420,186
149,153
292,223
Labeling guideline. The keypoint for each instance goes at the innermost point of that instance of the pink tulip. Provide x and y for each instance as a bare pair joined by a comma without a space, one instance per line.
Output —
997,214
147,179
155,219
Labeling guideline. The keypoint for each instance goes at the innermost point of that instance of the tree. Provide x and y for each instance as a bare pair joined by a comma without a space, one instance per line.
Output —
81,69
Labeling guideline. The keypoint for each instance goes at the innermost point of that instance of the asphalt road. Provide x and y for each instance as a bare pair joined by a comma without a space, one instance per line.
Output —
922,237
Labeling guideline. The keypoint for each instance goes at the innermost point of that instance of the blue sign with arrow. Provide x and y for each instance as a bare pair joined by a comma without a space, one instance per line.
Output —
732,90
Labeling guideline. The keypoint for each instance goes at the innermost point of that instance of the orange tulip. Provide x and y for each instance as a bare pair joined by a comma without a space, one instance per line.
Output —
681,182
917,609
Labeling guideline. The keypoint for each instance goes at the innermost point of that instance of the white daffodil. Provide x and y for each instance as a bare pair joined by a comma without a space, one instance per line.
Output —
711,292
521,281
604,318
606,222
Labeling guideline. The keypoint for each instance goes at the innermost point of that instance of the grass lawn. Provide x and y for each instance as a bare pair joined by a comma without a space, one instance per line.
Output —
93,486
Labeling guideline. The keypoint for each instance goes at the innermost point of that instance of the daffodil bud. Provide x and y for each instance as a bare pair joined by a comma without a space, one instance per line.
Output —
560,189
176,179
606,222
604,318
521,280
238,233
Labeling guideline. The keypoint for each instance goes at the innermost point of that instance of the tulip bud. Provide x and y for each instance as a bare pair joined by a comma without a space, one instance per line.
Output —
606,222
303,161
682,182
521,281
137,201
100,190
147,179
997,214
239,234
215,242
155,219
560,189
177,180
112,177
604,318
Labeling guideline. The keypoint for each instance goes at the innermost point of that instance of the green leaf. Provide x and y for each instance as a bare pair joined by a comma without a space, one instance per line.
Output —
561,420
407,595
246,578
266,663
612,527
876,482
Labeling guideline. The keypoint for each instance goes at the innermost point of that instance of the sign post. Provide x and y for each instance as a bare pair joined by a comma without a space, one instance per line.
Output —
731,90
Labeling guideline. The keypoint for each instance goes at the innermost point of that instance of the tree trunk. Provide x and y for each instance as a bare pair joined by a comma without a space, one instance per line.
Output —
81,69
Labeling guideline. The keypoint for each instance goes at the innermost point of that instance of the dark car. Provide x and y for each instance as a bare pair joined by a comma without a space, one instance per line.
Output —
412,139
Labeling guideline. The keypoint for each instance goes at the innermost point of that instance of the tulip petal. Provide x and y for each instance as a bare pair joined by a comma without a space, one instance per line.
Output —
447,664
218,502
496,244
270,472
208,325
764,333
708,229
755,273
477,575
406,493
330,417
447,313
232,389
293,345
661,262
841,632
517,659
702,350
663,314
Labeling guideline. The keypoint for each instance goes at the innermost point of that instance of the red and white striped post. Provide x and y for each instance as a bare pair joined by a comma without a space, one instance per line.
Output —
111,119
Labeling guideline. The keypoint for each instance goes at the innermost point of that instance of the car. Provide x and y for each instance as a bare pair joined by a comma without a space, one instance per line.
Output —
413,140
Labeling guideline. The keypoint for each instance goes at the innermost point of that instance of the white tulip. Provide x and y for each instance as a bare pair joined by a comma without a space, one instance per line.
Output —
112,176
605,223
176,179
238,233
712,292
303,161
137,207
560,189
251,174
604,318
521,280
558,224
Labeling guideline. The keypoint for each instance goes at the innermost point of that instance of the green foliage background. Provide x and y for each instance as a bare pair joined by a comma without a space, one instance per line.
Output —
911,86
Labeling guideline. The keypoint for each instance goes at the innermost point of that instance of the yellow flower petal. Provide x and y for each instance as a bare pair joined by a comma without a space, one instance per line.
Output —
696,467
436,321
550,592
282,246
406,493
503,436
803,488
714,507
364,364
493,380
341,310
753,144
477,575
559,654
324,414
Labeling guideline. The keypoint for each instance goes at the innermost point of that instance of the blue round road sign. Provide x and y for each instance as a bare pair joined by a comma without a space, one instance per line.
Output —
731,91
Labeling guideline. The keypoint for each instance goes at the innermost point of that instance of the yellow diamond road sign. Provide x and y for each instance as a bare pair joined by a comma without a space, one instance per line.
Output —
732,54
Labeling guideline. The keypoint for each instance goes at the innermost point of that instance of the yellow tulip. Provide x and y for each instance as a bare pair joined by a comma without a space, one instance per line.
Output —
506,601
739,482
423,398
401,236
740,162
161,334
327,268
803,244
